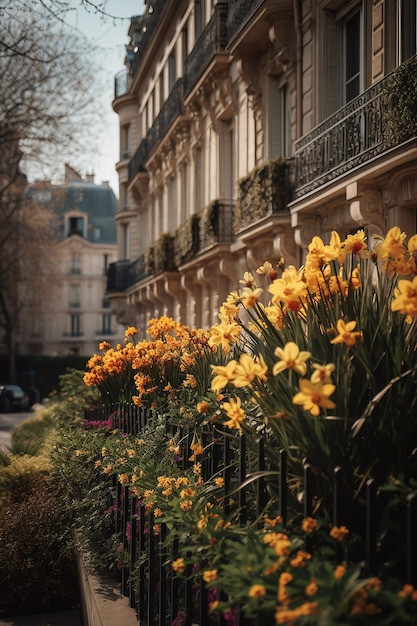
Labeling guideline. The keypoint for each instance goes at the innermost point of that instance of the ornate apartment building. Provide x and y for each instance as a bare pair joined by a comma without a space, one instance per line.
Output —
247,127
76,315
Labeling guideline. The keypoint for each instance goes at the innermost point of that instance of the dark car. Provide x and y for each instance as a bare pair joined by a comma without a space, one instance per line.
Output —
12,398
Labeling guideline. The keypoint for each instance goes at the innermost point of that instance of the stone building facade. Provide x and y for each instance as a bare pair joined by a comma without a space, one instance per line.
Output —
247,127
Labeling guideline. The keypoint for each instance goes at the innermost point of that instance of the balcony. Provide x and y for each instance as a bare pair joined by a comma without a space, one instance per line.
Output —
265,191
151,19
239,13
122,82
216,224
124,274
212,41
172,108
381,118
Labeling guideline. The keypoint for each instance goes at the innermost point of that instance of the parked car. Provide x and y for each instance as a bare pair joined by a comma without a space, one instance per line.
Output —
12,398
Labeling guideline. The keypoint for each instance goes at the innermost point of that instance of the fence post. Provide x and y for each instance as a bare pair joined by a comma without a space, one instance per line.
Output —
283,486
411,543
370,530
337,506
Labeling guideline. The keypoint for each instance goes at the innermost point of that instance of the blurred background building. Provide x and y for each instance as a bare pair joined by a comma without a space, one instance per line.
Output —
77,315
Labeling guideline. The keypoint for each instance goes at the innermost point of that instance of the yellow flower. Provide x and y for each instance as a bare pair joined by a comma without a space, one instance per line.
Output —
290,289
250,296
392,245
346,333
339,572
309,524
247,370
219,481
79,453
178,565
123,479
356,244
225,335
322,373
339,532
210,575
267,270
406,297
314,396
256,591
248,280
311,589
224,374
186,505
291,358
300,559
234,412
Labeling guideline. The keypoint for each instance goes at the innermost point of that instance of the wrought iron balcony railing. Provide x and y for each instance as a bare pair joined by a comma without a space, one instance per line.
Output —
216,224
151,19
137,162
171,109
212,41
125,274
238,15
350,137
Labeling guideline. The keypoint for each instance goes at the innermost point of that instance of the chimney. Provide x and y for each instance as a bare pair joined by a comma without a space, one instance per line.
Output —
90,177
105,183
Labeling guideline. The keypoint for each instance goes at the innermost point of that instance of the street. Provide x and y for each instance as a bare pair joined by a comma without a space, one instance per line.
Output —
8,421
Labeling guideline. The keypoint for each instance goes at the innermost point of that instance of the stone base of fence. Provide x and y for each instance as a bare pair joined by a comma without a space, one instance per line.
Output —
101,601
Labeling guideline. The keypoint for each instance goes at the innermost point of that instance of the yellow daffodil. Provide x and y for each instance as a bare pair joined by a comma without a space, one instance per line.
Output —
224,335
356,244
247,369
234,412
405,299
291,358
314,396
224,374
267,270
290,290
346,335
248,280
322,373
392,245
250,296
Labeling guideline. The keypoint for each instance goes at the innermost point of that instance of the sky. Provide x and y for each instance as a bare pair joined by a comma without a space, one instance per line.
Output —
109,37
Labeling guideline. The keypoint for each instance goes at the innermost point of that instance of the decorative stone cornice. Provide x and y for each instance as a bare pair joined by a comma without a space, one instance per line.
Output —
249,71
281,35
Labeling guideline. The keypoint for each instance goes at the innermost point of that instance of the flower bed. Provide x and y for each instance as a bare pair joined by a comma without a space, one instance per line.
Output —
314,390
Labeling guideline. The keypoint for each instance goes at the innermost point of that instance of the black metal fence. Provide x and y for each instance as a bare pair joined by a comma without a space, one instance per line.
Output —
159,595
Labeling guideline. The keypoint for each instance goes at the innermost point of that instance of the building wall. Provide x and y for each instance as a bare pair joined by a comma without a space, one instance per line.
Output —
286,81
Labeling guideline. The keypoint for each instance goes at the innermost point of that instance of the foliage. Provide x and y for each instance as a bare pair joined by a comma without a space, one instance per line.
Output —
264,191
29,436
37,566
164,254
187,240
21,477
399,89
154,371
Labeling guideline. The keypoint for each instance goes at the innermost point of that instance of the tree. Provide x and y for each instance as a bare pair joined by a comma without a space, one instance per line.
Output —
46,119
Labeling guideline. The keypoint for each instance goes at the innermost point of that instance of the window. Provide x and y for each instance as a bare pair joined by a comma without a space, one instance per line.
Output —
407,29
198,19
75,226
125,151
75,326
278,119
126,241
172,71
226,173
74,296
352,53
75,264
106,324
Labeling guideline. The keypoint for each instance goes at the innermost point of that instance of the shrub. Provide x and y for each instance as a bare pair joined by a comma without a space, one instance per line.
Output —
37,566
